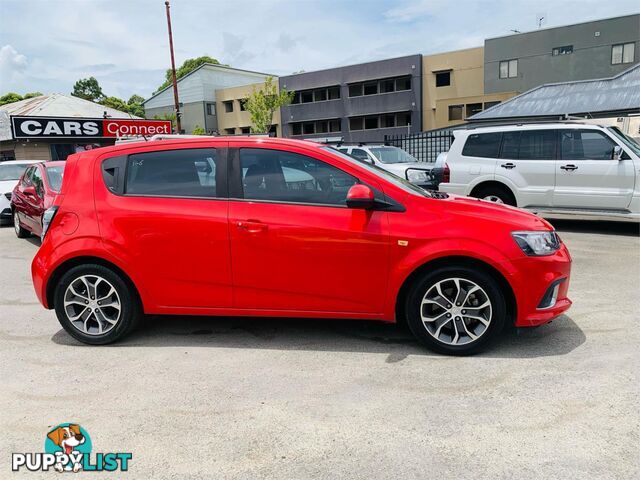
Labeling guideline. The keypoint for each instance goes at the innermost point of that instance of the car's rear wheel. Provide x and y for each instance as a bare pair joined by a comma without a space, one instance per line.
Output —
20,232
495,193
456,310
96,305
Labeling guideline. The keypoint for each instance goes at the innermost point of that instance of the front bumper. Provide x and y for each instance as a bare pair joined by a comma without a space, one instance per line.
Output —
531,284
5,209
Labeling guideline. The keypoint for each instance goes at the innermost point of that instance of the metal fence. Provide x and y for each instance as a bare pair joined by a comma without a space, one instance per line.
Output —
425,146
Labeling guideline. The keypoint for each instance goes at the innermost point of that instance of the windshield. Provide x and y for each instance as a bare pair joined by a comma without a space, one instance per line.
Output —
626,139
392,155
54,175
12,171
388,176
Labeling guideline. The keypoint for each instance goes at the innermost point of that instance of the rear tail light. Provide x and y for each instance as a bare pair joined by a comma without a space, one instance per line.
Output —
47,218
446,174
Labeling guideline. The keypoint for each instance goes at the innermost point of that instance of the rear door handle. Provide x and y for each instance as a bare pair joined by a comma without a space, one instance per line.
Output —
569,167
251,226
508,166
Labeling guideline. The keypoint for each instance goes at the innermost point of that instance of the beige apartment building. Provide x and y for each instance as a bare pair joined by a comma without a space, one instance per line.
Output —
233,119
453,88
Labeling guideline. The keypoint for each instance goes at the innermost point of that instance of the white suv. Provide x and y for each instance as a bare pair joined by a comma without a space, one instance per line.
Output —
394,160
568,170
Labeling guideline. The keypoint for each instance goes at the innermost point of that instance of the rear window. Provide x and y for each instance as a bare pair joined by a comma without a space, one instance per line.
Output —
181,173
486,145
54,176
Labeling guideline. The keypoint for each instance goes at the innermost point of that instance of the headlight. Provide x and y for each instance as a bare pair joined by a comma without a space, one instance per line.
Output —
537,243
47,217
417,176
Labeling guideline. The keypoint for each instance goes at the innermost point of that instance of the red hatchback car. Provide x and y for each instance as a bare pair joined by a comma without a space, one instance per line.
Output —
273,227
33,196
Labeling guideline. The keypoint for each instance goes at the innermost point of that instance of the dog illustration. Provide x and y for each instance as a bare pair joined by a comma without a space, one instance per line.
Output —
67,438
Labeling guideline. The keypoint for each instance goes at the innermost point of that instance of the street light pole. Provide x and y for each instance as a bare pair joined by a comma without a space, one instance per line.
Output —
173,72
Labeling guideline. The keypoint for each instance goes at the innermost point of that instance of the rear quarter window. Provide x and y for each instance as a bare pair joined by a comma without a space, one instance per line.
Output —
485,145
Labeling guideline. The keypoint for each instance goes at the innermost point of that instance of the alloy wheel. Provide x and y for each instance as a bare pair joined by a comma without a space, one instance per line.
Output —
92,305
493,198
16,223
456,311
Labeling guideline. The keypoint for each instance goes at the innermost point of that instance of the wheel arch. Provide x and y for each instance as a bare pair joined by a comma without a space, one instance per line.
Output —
495,184
67,265
458,261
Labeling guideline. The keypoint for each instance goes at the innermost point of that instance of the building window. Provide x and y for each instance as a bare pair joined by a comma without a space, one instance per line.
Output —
509,69
443,79
228,106
334,93
385,120
473,108
490,104
230,131
455,112
245,130
316,126
373,87
243,106
567,49
307,97
316,95
296,98
211,108
623,53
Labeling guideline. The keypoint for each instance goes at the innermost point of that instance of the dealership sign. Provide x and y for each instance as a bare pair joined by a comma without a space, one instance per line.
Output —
58,127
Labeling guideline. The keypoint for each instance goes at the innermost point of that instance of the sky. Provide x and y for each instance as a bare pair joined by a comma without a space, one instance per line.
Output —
46,45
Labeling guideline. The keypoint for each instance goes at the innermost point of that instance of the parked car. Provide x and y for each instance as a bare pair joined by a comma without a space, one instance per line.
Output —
394,160
33,195
10,173
569,170
287,228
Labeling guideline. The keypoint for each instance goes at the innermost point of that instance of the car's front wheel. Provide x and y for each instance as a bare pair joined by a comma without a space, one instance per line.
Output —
456,310
496,194
96,305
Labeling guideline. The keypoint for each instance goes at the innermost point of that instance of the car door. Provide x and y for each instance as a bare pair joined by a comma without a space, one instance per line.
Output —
295,245
35,203
587,175
164,213
527,165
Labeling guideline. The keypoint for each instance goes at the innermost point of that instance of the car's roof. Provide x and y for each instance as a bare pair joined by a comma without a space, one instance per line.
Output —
528,126
54,163
21,162
249,141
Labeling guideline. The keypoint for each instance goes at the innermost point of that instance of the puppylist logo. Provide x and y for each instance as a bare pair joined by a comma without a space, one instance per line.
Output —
67,448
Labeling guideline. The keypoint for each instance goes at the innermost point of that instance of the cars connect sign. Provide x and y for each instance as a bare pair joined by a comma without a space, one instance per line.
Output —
58,127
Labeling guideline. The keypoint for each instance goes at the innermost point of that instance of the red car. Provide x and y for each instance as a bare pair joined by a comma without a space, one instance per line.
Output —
33,195
274,227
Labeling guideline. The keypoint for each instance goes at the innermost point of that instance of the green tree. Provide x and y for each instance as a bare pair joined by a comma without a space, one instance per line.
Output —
263,102
115,102
188,66
10,97
167,116
89,89
198,130
135,105
31,95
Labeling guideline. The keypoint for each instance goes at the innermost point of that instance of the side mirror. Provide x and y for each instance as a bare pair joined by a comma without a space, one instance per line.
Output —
360,196
30,191
617,153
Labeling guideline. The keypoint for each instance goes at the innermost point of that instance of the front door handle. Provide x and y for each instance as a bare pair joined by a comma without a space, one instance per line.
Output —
569,167
508,166
252,226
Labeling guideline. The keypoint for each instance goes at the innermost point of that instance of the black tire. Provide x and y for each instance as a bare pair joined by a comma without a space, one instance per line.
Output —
497,191
488,284
20,232
130,313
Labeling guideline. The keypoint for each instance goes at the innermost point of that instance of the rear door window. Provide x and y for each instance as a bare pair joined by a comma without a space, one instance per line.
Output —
585,145
537,145
181,173
510,145
288,177
36,181
486,145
